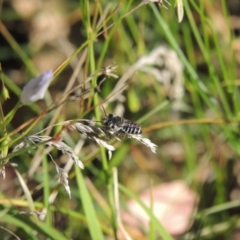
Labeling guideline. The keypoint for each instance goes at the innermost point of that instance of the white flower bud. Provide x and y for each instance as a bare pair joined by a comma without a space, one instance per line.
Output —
36,88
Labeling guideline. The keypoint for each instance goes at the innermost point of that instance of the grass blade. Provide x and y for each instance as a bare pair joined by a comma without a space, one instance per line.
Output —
93,223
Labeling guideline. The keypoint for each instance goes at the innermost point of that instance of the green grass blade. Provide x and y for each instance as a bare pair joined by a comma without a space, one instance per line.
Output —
46,189
30,227
93,222
27,193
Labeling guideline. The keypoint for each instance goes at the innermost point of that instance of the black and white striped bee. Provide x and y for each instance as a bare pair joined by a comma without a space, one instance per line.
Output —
120,125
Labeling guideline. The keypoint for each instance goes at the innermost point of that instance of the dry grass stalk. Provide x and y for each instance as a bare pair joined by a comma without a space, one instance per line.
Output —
92,130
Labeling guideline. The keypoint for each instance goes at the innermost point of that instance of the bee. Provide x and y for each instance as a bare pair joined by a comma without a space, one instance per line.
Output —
120,125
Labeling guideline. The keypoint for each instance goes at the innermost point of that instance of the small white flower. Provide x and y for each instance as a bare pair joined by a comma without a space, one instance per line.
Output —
36,88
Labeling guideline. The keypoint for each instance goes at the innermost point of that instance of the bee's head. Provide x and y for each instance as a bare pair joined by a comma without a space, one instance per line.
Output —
107,118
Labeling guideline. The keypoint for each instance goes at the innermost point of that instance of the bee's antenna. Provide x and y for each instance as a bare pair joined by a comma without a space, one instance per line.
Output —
104,111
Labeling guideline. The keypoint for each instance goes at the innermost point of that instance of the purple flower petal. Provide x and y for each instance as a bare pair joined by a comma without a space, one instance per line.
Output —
36,88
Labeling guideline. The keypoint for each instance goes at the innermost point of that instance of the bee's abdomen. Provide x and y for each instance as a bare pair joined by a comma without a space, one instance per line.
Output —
132,128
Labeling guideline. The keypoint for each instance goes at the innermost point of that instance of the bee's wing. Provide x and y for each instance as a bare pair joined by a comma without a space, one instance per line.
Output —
123,124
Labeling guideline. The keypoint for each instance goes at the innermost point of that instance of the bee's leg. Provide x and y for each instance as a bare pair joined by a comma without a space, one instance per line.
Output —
121,134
